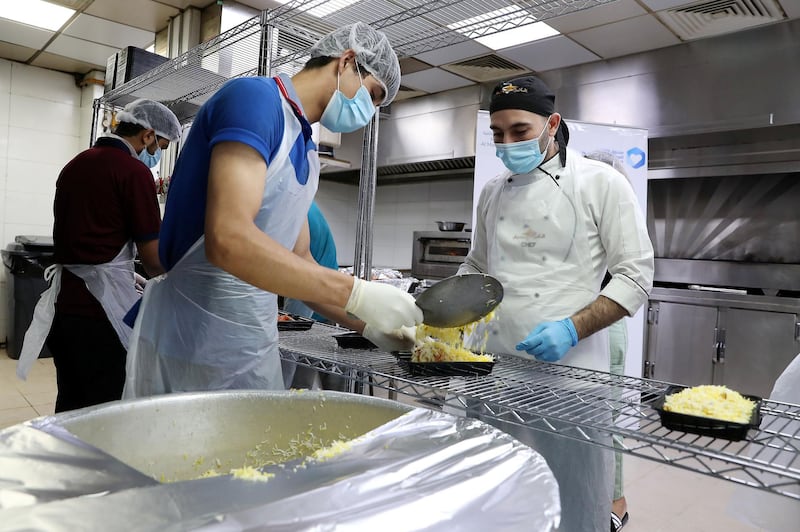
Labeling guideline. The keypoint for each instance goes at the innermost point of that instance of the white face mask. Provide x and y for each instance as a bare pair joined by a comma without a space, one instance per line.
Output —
151,160
524,156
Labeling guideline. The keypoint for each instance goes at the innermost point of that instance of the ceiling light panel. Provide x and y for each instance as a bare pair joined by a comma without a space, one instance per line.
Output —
36,13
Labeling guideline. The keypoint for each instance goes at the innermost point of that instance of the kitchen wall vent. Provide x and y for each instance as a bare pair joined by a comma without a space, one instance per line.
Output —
486,68
715,17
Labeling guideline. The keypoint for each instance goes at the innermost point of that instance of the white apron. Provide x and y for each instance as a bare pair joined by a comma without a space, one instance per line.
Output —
201,328
539,250
111,283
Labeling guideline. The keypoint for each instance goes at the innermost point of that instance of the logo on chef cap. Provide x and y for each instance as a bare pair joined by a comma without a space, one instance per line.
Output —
510,88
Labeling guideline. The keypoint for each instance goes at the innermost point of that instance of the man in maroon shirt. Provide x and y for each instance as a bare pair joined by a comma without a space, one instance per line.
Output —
105,203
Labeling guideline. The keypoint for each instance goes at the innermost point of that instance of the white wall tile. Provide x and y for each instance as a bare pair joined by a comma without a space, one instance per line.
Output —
5,75
32,177
44,115
399,211
460,189
412,192
3,172
5,107
45,84
26,208
382,256
3,140
32,145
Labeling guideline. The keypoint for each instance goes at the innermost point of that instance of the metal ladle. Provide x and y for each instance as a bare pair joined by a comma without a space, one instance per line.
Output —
460,299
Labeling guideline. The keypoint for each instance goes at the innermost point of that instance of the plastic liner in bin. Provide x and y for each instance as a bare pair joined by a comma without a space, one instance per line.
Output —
25,260
423,470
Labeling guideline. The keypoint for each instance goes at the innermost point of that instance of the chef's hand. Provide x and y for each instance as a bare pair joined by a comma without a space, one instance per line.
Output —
382,307
139,282
550,340
401,339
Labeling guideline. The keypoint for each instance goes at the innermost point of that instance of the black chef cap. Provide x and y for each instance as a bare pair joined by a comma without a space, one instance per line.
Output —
530,93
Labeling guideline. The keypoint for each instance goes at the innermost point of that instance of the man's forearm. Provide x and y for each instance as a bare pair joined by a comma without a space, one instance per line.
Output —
598,315
337,315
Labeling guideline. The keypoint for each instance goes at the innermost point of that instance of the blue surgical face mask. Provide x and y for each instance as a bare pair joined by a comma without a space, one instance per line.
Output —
151,160
523,157
345,115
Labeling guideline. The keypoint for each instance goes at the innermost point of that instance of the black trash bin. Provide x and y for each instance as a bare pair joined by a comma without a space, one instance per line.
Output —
26,259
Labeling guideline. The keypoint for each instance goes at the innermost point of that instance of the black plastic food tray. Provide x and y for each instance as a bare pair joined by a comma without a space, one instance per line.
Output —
443,369
705,426
297,323
353,341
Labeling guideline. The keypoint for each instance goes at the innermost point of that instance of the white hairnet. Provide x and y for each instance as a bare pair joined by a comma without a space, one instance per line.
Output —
373,52
152,115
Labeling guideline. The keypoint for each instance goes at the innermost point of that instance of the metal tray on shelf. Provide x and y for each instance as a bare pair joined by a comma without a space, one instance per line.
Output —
292,322
705,426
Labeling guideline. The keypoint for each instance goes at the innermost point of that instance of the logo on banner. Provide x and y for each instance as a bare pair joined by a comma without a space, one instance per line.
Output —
636,158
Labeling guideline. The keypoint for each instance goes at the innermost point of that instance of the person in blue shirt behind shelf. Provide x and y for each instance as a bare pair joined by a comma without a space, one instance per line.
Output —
235,232
323,249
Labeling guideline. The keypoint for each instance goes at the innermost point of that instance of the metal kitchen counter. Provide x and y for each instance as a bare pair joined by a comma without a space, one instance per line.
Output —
567,400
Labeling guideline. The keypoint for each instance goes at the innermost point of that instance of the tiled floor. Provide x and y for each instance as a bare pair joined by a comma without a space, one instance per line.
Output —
660,498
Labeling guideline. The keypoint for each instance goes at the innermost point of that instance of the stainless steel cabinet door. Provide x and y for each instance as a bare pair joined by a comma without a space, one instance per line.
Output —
758,347
683,347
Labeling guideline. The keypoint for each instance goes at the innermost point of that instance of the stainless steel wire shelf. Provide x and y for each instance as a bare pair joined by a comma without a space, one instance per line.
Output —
568,401
278,41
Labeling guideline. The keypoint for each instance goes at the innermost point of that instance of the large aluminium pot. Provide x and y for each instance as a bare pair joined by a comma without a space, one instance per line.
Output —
181,436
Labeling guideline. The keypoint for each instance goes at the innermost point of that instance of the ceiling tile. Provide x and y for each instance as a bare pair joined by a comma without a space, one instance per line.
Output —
183,4
659,5
434,80
405,93
15,52
89,52
409,65
143,14
626,37
596,16
790,7
63,64
548,54
110,33
453,53
22,34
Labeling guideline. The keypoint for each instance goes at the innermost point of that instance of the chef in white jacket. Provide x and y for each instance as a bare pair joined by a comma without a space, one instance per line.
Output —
548,229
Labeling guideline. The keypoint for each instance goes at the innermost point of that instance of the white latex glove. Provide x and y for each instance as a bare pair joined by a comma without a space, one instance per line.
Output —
401,339
382,307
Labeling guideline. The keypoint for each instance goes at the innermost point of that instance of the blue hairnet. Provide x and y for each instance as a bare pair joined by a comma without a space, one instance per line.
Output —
152,115
373,52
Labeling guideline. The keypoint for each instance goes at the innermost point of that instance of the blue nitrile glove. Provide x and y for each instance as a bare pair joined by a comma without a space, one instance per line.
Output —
550,340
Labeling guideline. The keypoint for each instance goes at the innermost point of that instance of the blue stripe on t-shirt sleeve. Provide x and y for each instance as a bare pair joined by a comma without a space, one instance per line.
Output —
247,110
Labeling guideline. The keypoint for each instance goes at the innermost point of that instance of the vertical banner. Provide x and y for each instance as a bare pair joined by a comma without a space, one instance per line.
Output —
628,145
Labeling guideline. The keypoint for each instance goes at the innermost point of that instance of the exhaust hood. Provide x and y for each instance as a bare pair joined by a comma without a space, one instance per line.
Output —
425,138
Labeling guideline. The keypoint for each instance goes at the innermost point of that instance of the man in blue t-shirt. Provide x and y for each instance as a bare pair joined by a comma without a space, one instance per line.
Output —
235,232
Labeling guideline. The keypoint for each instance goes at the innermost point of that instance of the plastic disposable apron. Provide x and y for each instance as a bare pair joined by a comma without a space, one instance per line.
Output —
201,328
111,283
539,250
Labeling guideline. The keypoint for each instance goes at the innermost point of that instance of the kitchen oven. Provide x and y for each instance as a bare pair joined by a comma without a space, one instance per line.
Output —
438,254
